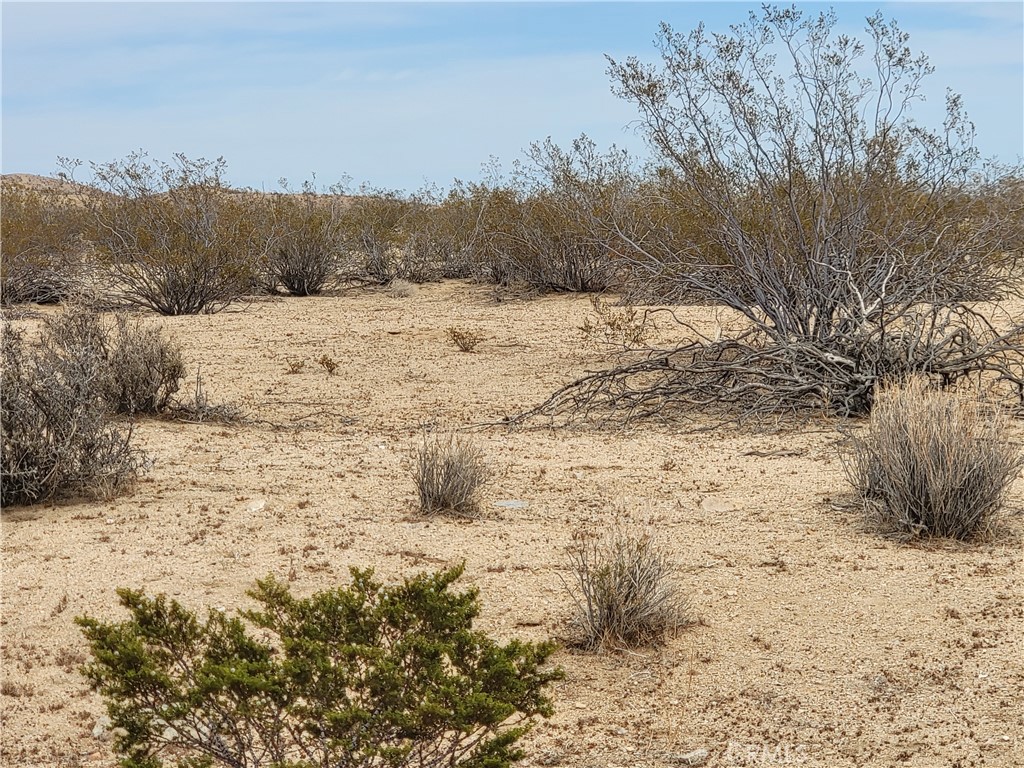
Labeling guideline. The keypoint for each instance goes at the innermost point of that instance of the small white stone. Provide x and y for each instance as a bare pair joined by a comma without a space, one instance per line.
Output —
101,731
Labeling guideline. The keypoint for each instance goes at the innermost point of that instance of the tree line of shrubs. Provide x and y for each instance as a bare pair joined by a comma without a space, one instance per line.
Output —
174,237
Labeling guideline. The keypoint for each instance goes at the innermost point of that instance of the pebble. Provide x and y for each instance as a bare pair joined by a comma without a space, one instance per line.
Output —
101,731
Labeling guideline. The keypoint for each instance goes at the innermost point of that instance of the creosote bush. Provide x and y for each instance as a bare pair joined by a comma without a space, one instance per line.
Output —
309,247
173,236
367,676
449,473
795,188
624,591
932,463
40,244
58,439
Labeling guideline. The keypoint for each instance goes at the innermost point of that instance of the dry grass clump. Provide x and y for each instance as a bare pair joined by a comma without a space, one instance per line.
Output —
932,463
199,410
401,289
449,473
624,591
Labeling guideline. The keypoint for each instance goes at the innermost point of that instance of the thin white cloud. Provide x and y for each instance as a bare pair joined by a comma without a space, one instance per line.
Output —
274,91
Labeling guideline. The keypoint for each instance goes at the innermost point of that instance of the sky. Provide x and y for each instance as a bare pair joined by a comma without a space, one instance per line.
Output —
402,95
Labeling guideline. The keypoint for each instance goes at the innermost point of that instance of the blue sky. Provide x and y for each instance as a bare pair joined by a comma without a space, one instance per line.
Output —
399,94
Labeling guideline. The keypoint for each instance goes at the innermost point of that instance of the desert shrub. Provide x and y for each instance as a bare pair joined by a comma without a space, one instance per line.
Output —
138,369
932,463
378,227
449,473
58,439
847,234
367,676
543,228
40,244
623,590
174,237
309,248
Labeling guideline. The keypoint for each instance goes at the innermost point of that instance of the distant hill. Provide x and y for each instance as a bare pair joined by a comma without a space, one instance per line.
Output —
52,184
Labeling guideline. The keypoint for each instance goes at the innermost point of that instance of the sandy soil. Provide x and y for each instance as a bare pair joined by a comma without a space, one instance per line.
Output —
820,644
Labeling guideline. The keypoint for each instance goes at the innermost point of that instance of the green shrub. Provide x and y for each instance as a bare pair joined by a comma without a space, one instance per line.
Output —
623,591
366,677
449,474
932,463
57,435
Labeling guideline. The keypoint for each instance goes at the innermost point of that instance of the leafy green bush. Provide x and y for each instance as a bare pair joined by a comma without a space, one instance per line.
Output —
932,463
57,435
366,676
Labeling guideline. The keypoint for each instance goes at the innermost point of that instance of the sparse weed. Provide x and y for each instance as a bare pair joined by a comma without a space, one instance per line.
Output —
619,326
328,363
932,463
466,341
623,590
295,366
201,410
449,473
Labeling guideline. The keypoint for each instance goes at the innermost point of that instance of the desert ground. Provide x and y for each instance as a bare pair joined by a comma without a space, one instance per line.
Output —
819,643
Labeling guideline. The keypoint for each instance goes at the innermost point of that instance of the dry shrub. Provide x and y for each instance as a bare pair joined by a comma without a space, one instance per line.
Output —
138,368
310,245
174,236
932,463
797,190
544,228
623,590
449,473
57,436
377,229
40,245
